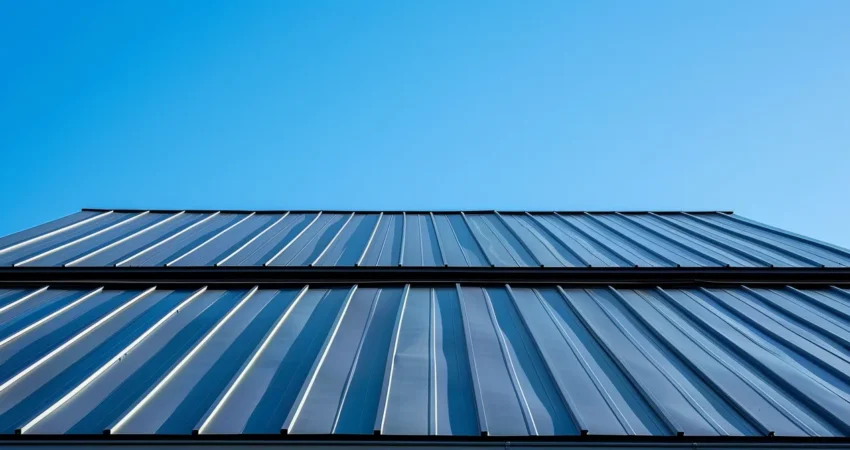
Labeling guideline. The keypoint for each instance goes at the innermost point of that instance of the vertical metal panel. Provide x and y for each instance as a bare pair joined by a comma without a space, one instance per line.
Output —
226,241
67,235
422,247
44,231
323,405
509,361
815,394
497,241
351,244
386,244
501,401
73,252
180,403
265,247
462,249
324,398
542,400
55,374
185,242
309,245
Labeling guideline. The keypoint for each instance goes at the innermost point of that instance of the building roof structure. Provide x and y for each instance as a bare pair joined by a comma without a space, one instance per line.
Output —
482,328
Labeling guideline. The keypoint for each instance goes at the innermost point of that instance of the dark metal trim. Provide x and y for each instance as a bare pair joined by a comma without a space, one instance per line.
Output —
399,211
232,277
423,441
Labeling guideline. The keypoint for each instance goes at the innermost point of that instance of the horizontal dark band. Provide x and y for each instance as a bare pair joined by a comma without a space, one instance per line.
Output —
280,276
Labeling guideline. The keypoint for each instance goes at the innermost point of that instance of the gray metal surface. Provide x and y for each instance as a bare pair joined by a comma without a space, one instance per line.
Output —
419,361
346,239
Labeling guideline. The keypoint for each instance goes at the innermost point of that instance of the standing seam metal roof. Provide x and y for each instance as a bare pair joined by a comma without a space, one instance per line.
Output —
453,239
401,360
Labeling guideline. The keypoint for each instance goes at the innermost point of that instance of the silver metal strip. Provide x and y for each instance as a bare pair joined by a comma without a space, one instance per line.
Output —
78,240
123,240
242,247
475,238
519,239
76,337
403,238
150,394
231,388
288,244
433,401
390,367
46,318
53,233
333,239
369,242
118,356
23,299
210,239
292,417
168,239
439,242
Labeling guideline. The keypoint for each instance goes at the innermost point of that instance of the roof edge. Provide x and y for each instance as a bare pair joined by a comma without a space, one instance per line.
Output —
400,211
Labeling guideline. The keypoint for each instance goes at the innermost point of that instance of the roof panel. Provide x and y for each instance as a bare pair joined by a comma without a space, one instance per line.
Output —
508,361
420,239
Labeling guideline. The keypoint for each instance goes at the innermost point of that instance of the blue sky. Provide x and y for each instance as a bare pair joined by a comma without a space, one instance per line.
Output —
538,105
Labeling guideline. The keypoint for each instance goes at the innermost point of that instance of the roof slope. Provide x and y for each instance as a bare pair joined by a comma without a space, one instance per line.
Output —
508,360
454,239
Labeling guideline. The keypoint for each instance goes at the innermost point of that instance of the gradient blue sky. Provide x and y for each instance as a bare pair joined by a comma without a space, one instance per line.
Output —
567,105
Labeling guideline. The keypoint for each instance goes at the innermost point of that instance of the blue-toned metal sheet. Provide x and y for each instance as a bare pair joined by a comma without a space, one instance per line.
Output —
506,361
507,239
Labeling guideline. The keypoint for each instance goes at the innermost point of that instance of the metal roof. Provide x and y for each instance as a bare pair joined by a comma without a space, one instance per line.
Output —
126,238
416,361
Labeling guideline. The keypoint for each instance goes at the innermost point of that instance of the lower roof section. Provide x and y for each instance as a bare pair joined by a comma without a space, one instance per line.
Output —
399,360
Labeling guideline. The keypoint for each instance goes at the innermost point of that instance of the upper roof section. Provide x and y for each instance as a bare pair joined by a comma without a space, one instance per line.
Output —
103,238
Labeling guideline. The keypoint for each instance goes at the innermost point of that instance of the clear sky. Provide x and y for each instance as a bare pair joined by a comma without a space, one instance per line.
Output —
567,105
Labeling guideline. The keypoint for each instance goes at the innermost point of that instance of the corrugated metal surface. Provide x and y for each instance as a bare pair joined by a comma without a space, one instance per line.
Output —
148,239
510,361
